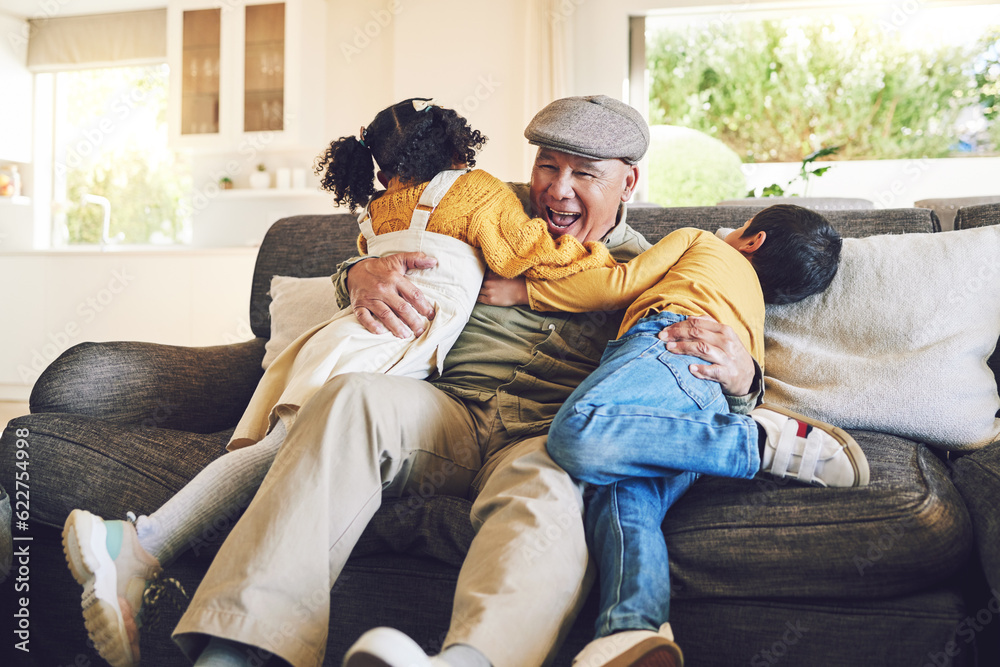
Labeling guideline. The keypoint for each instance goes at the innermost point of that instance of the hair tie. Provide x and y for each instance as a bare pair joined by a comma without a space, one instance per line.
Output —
362,134
423,105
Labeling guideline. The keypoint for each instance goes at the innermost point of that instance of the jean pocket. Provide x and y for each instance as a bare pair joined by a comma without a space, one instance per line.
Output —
705,393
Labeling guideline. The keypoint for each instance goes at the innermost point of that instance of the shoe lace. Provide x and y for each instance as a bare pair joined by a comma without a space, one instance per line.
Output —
161,590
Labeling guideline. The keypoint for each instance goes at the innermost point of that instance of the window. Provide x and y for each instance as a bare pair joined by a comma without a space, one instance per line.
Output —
114,178
900,81
880,85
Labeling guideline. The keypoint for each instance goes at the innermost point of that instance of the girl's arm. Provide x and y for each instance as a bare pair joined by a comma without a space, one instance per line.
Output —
515,244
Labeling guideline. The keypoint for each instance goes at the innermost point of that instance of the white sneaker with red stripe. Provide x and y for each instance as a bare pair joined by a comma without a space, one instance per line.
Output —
809,451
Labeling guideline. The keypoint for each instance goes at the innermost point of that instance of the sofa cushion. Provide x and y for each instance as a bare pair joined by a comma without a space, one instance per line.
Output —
297,305
304,246
899,341
775,539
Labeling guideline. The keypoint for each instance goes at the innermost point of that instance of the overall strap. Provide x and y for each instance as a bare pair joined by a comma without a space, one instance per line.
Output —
365,222
432,196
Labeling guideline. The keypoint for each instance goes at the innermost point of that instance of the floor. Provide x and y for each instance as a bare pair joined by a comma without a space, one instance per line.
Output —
9,410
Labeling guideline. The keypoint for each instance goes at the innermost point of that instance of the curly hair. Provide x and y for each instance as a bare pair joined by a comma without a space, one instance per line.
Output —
407,142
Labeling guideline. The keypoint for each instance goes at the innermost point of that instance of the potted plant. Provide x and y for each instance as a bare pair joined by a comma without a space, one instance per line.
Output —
260,179
226,183
805,173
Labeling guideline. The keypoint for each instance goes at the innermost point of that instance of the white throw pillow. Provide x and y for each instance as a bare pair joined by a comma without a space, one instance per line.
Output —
297,305
899,341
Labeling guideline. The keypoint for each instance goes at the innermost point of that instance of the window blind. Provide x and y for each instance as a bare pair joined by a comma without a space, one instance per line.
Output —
96,40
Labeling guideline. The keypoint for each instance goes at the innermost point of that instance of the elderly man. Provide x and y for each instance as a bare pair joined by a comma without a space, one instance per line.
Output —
477,431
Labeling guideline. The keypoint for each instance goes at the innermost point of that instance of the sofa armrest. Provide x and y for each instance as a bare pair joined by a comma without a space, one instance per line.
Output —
197,389
977,478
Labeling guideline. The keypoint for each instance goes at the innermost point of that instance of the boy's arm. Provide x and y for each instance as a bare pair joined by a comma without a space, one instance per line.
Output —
610,288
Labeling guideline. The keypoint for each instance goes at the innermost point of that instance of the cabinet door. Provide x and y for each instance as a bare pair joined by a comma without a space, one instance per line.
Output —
200,63
200,102
264,68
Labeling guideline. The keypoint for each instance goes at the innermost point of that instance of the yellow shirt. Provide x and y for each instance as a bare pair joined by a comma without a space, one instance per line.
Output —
482,211
689,272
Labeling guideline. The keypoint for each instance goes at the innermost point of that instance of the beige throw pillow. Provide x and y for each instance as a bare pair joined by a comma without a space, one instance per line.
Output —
297,305
899,341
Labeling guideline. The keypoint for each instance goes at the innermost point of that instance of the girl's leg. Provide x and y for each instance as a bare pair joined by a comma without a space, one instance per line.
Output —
219,492
623,523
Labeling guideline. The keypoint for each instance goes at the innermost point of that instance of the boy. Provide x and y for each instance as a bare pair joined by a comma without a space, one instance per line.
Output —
642,428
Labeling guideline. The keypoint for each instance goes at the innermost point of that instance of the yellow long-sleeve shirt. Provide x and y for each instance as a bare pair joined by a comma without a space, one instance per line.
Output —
689,272
482,211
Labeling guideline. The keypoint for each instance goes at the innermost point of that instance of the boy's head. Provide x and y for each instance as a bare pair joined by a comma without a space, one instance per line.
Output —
794,250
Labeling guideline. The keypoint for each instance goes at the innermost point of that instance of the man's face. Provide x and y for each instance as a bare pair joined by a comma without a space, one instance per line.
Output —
579,196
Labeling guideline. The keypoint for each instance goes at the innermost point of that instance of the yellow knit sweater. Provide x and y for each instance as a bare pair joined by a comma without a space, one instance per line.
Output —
483,212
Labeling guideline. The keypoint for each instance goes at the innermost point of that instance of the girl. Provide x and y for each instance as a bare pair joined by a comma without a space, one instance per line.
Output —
432,203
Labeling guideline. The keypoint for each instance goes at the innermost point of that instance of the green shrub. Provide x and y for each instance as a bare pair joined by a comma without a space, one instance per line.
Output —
689,168
778,90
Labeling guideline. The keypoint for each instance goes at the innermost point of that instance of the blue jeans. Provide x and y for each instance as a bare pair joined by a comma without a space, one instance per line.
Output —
643,429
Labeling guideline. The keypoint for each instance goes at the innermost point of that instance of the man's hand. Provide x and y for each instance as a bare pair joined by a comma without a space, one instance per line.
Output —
383,298
730,364
497,291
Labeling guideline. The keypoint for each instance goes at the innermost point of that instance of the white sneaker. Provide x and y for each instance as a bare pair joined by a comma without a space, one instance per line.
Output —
106,559
809,451
632,648
388,647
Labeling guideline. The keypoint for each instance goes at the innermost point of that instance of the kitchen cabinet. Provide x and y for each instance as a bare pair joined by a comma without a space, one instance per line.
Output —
243,75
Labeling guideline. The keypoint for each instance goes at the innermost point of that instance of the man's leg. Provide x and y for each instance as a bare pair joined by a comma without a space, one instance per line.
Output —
526,574
360,434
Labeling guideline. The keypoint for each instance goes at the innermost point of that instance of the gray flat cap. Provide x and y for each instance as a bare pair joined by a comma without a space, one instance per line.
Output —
596,126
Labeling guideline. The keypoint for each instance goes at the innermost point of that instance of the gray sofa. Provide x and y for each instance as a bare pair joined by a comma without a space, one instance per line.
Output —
764,573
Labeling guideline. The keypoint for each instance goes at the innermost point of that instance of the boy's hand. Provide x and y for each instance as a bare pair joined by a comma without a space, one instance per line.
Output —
730,364
383,298
497,291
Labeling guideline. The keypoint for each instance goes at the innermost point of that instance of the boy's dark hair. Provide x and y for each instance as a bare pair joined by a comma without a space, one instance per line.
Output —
411,141
799,256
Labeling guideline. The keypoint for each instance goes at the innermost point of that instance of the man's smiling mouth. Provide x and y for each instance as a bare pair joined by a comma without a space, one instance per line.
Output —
561,219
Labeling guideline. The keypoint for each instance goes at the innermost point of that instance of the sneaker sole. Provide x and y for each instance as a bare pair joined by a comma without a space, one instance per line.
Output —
859,462
385,647
83,540
652,652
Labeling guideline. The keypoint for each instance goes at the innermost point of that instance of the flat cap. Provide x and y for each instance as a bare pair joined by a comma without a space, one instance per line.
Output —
596,126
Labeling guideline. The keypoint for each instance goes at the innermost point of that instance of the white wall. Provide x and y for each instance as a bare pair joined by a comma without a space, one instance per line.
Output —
15,82
470,56
53,300
889,183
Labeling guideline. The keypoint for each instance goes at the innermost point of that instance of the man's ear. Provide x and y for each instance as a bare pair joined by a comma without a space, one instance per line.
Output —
631,179
382,178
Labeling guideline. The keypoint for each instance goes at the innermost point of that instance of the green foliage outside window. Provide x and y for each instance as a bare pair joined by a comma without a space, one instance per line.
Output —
113,144
779,90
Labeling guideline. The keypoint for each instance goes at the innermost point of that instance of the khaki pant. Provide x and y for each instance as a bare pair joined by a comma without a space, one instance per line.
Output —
365,435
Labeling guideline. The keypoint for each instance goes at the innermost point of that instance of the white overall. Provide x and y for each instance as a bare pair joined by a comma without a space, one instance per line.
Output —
342,345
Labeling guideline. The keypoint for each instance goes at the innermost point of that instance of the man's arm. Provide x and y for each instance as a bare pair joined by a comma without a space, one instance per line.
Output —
382,297
729,363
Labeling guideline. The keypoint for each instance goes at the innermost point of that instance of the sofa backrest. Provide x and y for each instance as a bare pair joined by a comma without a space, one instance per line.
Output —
308,246
980,215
